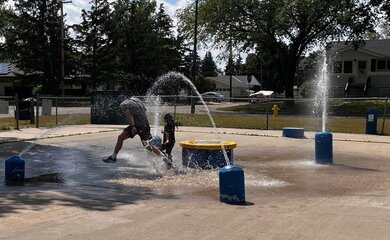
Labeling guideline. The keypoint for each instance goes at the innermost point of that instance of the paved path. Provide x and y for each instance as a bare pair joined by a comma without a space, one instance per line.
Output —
71,194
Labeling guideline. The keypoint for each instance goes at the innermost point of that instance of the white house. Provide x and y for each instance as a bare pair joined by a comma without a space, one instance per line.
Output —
362,72
240,85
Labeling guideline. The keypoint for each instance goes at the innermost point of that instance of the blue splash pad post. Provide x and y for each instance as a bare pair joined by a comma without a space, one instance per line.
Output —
324,148
293,132
231,184
14,169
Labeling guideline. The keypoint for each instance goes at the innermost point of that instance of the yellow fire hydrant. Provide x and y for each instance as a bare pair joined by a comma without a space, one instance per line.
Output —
275,110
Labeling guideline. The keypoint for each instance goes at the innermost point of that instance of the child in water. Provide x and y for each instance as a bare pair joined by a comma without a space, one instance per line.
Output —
168,137
164,148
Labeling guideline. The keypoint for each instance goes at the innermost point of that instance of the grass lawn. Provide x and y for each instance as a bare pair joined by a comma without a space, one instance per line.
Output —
46,121
244,121
335,124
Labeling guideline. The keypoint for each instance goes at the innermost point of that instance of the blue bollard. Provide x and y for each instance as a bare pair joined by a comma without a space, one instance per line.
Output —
293,132
231,184
14,169
324,148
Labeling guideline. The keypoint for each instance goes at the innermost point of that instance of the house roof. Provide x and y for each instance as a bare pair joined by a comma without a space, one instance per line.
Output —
379,48
9,70
238,81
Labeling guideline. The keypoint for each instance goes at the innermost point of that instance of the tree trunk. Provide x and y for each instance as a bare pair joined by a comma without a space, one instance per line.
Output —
291,63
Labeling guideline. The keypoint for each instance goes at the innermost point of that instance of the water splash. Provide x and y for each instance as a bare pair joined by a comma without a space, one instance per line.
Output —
154,104
321,97
172,78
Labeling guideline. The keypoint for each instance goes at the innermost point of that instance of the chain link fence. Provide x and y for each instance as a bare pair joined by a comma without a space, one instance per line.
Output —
347,115
42,111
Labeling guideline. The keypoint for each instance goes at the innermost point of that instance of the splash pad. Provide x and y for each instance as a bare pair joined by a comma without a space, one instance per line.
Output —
207,154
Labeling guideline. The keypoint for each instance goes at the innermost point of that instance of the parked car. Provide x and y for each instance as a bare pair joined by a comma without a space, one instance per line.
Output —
261,96
213,96
30,99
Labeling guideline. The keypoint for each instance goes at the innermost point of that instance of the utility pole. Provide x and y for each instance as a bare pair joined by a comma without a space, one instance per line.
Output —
194,67
231,69
62,83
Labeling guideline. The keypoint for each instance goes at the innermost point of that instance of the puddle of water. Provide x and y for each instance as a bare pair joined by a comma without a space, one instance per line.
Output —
305,163
46,178
40,179
260,180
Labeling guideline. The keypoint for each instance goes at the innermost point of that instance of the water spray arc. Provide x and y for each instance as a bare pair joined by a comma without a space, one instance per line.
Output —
323,139
231,177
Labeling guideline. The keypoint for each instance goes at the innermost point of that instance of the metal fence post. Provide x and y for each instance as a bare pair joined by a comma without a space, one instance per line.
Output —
174,107
17,110
37,112
384,116
56,111
267,107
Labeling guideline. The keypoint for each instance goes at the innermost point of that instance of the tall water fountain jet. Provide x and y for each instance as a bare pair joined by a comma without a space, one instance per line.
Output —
175,76
323,139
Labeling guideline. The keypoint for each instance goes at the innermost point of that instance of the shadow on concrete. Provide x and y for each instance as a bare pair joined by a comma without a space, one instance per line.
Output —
245,204
60,175
355,168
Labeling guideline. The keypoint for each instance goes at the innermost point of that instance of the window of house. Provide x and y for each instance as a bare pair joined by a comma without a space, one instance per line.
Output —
347,66
337,67
381,64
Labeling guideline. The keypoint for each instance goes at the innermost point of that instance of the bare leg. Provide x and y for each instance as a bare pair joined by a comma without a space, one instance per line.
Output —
154,149
119,142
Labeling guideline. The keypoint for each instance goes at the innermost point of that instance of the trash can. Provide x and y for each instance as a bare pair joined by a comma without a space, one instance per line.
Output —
371,121
24,110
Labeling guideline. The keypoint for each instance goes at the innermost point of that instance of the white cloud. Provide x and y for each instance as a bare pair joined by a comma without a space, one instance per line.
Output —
73,9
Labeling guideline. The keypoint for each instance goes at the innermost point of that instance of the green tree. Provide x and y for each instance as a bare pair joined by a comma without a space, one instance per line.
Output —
6,15
92,42
229,68
383,8
307,73
283,29
143,44
238,65
34,40
208,68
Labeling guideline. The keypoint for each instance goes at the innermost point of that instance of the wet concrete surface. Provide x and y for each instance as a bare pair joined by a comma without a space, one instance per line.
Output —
69,193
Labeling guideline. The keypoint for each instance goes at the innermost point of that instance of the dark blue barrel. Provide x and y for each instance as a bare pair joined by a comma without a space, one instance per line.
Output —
324,148
231,184
293,132
14,169
205,159
371,120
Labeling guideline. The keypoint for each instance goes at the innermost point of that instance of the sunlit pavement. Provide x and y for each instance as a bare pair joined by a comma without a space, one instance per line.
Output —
69,193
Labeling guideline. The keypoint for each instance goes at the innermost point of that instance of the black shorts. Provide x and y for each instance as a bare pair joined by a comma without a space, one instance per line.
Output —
143,132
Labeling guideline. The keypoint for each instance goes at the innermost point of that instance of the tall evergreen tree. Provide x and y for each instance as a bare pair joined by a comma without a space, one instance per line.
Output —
208,68
143,44
229,68
93,43
35,36
238,65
